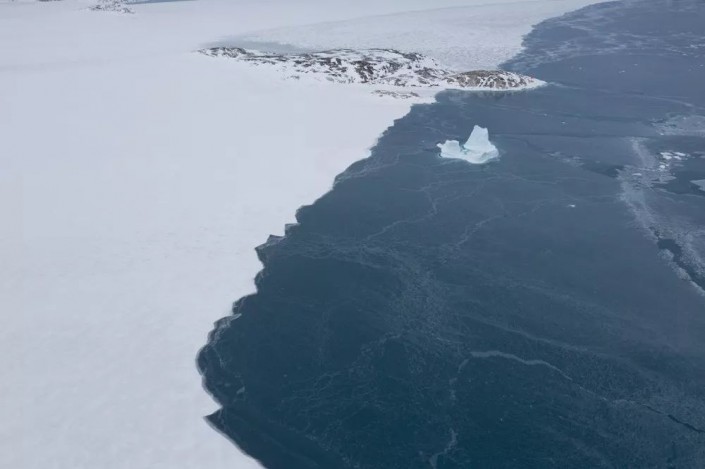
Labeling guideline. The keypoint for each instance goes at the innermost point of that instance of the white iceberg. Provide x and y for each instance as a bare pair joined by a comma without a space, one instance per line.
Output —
477,150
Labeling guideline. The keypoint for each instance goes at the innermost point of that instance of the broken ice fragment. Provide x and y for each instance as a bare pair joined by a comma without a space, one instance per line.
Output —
477,150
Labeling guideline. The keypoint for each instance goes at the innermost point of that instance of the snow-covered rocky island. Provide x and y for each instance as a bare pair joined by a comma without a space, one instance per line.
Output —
377,67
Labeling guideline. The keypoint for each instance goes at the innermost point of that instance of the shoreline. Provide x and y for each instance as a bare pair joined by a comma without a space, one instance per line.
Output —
145,178
415,273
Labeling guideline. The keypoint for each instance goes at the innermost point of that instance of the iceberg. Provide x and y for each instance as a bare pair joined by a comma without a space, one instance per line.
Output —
477,150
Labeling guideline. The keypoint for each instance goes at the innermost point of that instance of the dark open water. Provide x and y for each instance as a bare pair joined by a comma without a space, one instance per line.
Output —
543,310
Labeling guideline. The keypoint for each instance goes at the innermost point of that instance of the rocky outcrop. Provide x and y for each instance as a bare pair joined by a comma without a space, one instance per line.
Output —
117,6
378,67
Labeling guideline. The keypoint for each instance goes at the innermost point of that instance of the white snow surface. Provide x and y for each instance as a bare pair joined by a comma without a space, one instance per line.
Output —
134,187
476,150
474,35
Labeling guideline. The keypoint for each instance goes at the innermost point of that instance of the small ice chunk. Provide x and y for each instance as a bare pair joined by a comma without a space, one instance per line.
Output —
700,183
671,155
451,149
477,150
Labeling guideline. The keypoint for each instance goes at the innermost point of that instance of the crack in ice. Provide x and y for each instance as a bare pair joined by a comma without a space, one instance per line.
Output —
509,356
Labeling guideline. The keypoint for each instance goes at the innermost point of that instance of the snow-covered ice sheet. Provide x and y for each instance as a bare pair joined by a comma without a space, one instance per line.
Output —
476,34
133,189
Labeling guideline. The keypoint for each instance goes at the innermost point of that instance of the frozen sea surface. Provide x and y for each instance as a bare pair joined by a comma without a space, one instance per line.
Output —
544,310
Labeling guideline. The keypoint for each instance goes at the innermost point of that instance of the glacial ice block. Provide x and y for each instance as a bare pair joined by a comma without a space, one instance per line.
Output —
477,150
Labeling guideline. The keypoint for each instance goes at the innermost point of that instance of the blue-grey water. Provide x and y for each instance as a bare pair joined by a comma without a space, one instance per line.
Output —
544,310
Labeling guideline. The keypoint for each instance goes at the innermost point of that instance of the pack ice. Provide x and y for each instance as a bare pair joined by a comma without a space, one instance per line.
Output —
477,150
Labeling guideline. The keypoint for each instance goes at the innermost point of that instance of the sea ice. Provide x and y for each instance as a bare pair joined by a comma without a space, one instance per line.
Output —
493,29
477,150
98,370
673,155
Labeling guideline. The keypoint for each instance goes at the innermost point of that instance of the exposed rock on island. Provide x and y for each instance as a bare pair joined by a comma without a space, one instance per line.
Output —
378,67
